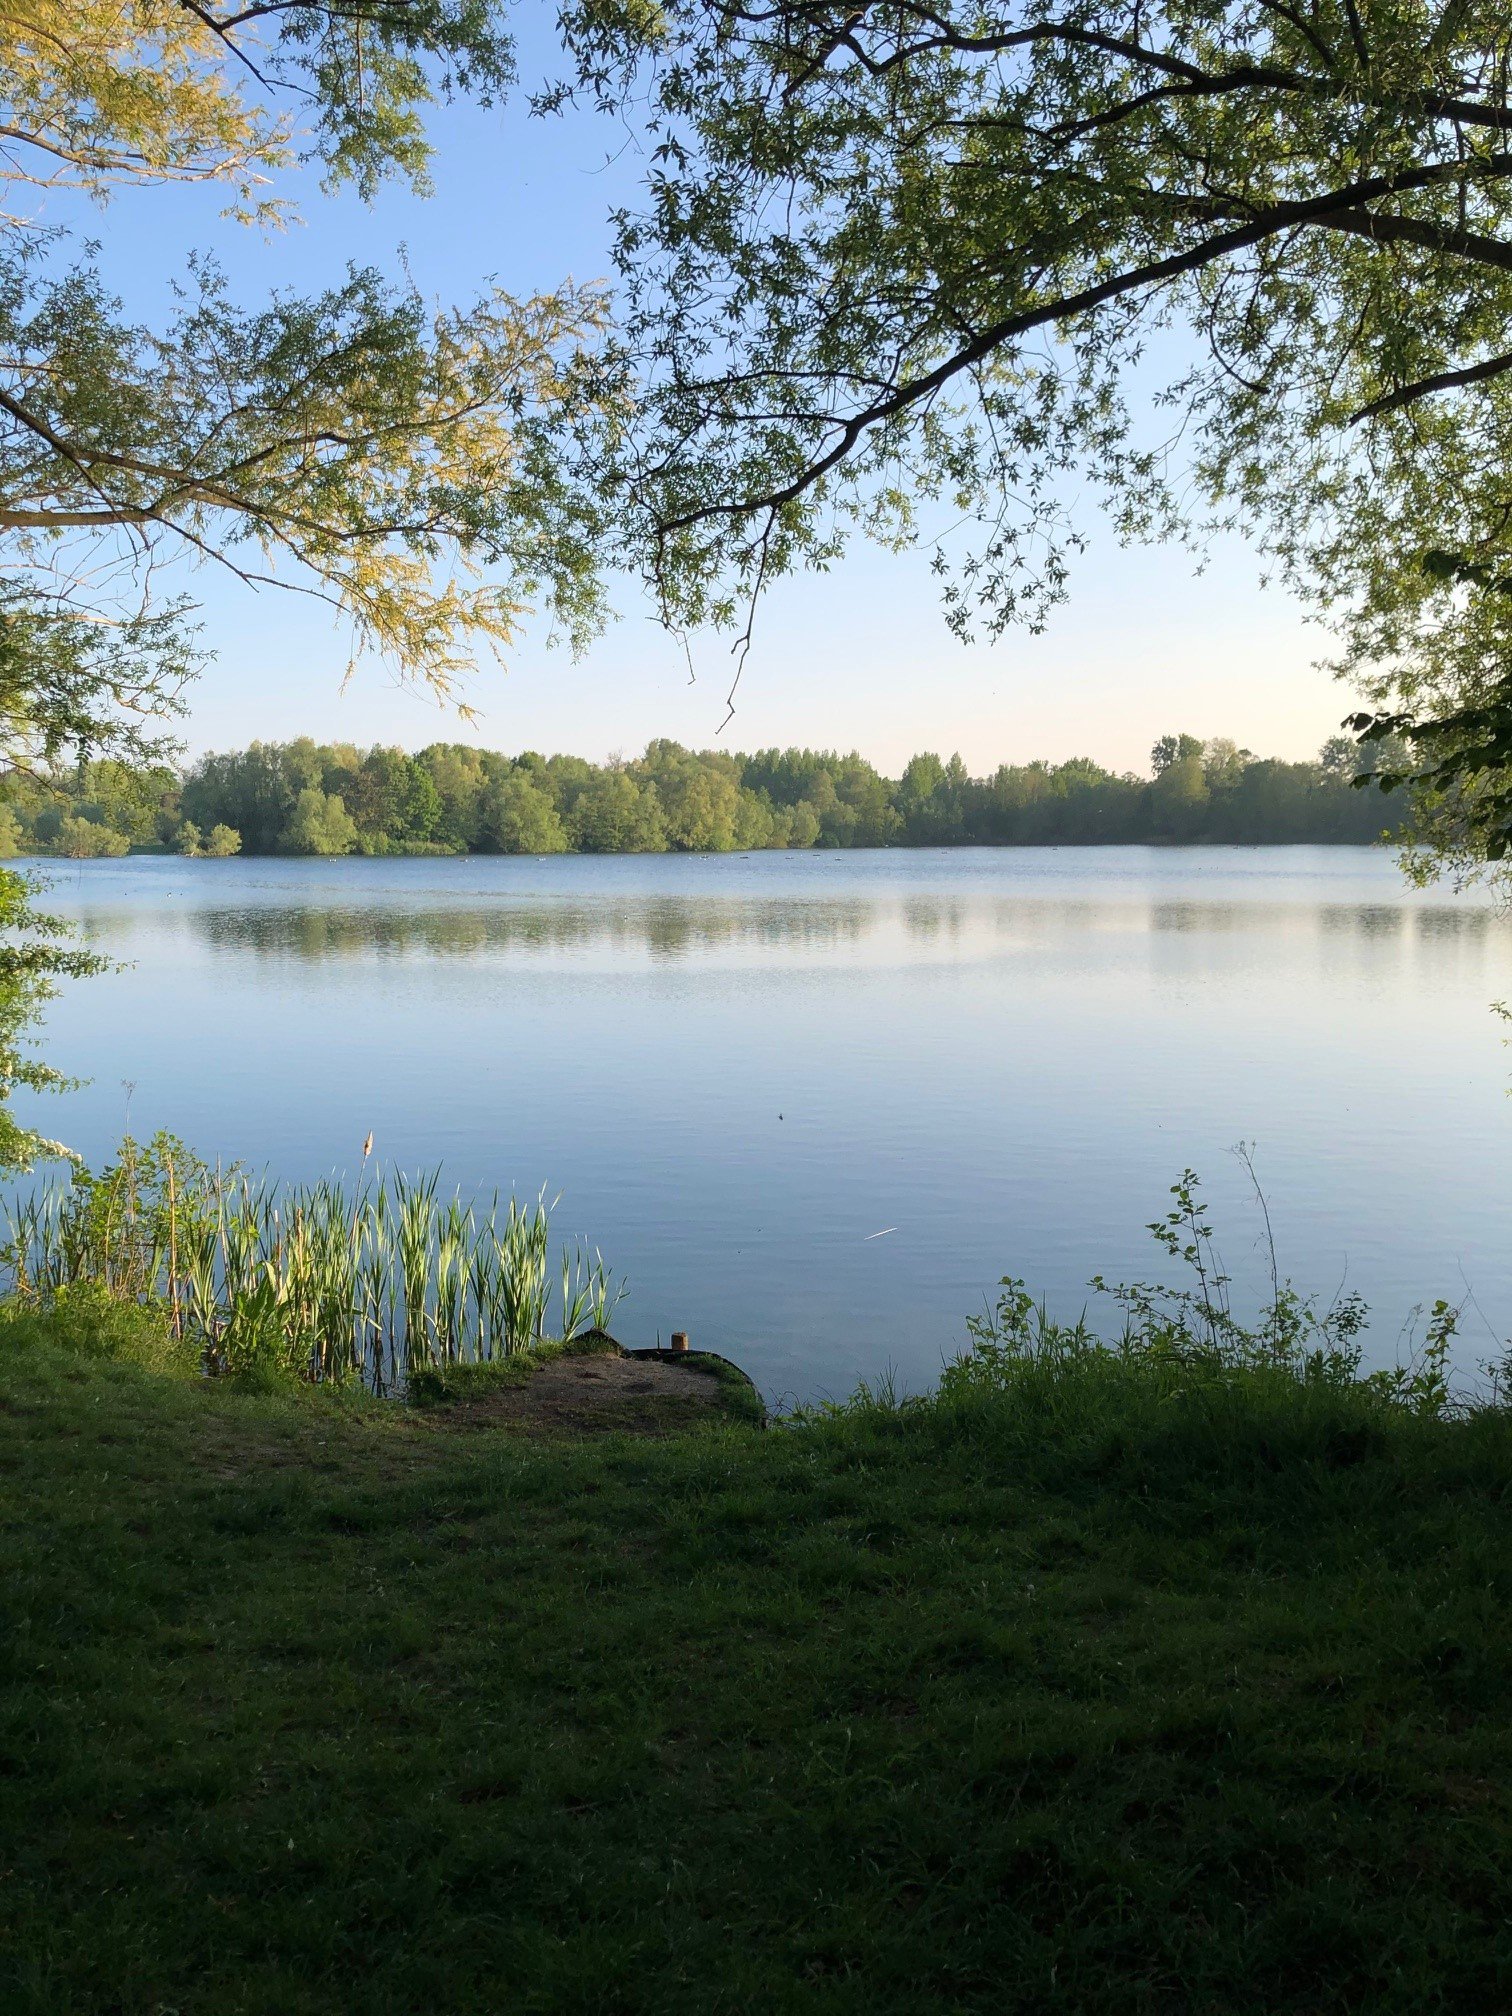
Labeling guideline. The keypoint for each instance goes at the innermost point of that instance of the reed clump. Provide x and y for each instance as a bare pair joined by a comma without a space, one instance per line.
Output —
328,1281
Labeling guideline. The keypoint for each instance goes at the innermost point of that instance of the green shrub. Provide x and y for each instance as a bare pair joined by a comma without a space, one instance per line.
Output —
1180,1340
88,840
83,1318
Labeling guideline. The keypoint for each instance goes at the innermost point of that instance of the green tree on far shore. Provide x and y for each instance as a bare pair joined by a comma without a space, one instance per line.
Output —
319,824
90,840
279,797
518,817
617,814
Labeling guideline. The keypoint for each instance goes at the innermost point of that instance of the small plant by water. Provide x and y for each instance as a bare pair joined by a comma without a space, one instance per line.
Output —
325,1281
1190,1335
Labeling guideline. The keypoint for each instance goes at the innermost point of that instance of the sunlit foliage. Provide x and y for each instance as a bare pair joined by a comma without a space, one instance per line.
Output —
305,797
950,274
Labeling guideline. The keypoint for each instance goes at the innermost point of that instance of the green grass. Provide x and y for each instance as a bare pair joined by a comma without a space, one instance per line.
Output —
451,1385
1099,1695
738,1397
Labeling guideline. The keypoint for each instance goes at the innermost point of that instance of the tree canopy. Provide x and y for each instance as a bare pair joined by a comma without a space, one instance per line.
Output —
904,263
899,265
402,461
305,797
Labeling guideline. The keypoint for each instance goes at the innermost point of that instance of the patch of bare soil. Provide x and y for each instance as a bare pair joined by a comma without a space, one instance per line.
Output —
595,1395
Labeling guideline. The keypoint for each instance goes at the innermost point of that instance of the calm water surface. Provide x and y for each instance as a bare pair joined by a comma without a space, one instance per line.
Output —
813,1105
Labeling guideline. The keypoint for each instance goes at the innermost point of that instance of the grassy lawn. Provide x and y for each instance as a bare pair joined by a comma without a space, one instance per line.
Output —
1112,1702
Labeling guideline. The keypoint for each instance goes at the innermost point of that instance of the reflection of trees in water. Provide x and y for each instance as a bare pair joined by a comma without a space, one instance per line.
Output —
1440,927
1456,924
1343,920
664,929
1185,916
671,928
1364,920
929,917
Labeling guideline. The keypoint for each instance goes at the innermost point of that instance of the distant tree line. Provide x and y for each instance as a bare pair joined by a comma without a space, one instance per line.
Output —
305,797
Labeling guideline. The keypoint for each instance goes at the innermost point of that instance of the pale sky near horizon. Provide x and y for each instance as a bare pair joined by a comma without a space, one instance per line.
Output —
856,658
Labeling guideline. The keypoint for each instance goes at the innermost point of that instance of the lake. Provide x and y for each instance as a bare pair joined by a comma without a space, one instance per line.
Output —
813,1105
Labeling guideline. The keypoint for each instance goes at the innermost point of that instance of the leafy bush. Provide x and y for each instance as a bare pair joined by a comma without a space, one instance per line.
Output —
35,954
1191,1336
84,1318
87,840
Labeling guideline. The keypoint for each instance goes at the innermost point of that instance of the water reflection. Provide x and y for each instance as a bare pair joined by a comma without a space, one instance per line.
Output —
928,918
679,928
1461,925
1365,920
663,930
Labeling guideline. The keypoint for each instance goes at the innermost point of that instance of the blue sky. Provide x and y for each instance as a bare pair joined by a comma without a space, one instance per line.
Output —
859,657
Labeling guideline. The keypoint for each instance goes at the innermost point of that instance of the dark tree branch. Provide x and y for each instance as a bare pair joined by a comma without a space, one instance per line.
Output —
1387,229
1441,381
1339,209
